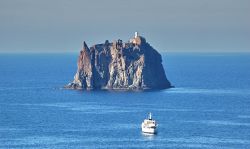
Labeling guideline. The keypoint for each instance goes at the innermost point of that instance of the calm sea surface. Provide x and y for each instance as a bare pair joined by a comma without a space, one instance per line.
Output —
208,109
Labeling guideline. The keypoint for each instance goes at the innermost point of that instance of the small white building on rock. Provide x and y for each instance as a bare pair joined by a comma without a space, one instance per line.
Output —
136,40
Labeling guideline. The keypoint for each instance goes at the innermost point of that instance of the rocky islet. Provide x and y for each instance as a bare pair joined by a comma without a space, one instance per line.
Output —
132,65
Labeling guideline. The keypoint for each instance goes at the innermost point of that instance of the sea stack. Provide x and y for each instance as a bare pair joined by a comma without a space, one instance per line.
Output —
132,65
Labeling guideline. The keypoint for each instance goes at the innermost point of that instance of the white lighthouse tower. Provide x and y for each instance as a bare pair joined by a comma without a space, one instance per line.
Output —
136,34
136,40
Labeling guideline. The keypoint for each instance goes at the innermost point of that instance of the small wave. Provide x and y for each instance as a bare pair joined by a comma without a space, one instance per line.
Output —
208,140
86,107
185,110
244,116
10,129
36,140
227,123
219,123
21,88
206,91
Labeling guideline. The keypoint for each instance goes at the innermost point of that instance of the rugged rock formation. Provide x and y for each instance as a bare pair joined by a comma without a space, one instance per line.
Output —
131,65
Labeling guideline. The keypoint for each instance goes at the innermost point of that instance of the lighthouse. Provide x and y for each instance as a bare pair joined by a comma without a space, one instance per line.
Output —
136,40
136,34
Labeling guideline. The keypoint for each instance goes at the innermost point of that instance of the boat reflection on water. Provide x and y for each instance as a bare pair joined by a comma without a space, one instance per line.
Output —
148,136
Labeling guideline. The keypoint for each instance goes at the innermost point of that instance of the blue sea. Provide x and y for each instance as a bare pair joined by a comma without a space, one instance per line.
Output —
209,108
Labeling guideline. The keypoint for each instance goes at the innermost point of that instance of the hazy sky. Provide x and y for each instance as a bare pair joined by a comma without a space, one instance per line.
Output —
168,25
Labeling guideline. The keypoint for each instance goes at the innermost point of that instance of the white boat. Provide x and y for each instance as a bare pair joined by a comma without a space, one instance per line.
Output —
149,125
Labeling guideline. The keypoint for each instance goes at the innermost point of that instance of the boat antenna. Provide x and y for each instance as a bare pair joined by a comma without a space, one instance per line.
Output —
150,116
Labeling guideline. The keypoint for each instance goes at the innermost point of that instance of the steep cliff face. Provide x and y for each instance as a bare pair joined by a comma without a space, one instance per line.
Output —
118,65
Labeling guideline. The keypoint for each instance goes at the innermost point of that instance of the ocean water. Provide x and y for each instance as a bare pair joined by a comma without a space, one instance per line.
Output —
209,108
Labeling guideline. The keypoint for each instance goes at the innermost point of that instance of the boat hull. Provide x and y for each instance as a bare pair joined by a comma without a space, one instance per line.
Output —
151,130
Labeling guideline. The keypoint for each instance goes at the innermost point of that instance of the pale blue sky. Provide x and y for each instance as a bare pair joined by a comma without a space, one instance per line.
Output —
168,25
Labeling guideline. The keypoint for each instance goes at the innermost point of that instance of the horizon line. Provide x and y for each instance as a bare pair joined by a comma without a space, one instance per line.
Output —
161,52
